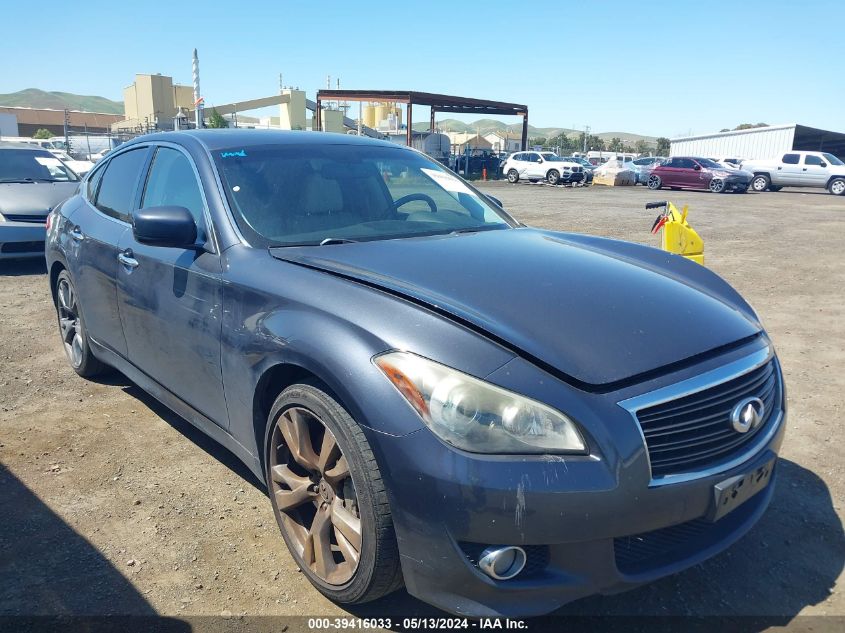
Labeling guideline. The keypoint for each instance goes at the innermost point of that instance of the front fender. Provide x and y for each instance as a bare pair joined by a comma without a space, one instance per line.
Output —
279,313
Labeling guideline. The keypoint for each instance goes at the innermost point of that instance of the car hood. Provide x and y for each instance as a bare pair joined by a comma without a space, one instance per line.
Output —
593,316
33,198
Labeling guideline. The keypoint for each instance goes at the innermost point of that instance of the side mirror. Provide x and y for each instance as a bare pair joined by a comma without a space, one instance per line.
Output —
496,201
164,226
539,160
697,167
823,164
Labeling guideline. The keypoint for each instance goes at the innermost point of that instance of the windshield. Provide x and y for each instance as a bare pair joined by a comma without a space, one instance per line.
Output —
551,157
832,159
709,164
291,195
26,165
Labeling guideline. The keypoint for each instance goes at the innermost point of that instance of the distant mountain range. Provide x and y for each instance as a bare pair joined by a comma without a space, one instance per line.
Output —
485,126
35,98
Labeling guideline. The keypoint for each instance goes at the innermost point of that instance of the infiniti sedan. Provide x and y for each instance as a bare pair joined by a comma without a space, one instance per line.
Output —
434,394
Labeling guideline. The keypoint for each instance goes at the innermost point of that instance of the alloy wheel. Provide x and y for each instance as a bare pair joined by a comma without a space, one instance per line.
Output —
70,325
654,182
314,496
759,184
837,187
717,185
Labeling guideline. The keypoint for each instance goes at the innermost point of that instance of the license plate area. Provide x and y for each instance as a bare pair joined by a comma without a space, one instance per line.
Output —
731,493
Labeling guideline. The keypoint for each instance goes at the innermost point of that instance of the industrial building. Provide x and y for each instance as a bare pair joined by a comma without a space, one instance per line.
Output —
15,121
761,142
153,102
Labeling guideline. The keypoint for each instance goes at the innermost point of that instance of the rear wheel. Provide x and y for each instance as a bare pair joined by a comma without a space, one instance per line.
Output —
837,187
553,176
761,182
72,329
329,498
654,182
513,176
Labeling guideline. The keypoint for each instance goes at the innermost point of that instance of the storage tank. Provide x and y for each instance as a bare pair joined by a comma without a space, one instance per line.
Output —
370,115
382,110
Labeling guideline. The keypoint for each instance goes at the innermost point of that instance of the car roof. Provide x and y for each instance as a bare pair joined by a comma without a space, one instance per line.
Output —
27,146
227,138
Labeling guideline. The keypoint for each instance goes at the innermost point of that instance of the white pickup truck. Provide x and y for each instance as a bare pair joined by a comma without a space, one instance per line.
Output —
798,169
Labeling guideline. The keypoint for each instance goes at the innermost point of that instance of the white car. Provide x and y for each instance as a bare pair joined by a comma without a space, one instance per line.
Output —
81,167
535,166
798,169
728,162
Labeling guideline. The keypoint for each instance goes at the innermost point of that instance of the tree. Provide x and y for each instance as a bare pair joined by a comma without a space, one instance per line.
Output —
641,147
216,120
43,133
616,144
662,146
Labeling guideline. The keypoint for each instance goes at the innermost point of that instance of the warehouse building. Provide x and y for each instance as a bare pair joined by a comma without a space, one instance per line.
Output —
17,121
761,142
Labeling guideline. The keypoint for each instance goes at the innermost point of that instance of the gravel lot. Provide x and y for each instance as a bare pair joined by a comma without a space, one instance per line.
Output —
112,504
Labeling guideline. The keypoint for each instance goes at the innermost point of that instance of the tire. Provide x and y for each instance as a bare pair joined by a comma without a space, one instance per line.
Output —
347,495
654,182
72,329
513,176
553,176
837,187
761,182
717,185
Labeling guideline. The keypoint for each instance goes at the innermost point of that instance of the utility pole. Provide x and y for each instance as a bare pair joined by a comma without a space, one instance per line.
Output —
586,134
67,130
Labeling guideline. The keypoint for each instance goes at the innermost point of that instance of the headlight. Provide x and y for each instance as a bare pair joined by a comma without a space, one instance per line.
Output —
474,415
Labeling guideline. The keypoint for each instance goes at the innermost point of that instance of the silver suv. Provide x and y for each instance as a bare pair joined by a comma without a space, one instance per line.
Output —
798,169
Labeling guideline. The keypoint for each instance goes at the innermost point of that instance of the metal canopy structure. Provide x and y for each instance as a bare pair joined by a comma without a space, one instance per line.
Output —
437,103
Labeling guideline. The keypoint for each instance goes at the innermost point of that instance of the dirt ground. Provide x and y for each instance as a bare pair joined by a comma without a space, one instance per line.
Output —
110,504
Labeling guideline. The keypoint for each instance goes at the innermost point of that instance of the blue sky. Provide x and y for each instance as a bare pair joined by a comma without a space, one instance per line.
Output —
658,68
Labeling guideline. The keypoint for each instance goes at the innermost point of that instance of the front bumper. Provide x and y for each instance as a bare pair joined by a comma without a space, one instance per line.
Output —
21,239
580,519
737,182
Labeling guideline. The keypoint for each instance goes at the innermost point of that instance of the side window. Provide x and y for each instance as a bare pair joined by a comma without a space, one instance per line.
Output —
93,184
791,159
532,157
812,160
117,189
519,157
172,182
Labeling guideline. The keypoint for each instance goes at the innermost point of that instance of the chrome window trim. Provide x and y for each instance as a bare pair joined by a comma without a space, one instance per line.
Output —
693,385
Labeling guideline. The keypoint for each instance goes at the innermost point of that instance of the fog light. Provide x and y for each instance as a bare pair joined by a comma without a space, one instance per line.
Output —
502,563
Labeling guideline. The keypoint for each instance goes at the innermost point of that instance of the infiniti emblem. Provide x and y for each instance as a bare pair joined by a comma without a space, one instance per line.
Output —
747,415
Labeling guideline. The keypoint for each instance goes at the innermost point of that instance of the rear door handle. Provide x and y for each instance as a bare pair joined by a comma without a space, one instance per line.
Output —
805,169
127,259
77,234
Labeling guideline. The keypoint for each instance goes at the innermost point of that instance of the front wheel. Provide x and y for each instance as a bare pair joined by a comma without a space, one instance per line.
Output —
329,498
717,185
553,176
72,329
837,187
761,183
654,182
513,176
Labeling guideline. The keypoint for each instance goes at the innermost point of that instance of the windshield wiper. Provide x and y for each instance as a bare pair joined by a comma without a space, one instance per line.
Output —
337,240
27,180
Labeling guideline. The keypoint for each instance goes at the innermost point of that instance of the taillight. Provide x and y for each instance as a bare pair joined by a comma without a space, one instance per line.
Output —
49,220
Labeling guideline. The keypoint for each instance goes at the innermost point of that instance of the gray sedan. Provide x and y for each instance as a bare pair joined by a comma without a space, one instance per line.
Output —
32,183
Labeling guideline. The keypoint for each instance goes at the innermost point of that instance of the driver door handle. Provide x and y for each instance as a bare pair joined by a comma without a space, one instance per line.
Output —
126,258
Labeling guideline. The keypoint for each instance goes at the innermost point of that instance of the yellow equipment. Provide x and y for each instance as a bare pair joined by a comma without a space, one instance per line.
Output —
678,236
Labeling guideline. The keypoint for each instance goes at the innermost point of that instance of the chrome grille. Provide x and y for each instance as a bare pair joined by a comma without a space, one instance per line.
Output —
695,430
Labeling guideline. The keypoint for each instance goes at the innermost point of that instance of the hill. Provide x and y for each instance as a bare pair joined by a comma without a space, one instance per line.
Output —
485,126
35,98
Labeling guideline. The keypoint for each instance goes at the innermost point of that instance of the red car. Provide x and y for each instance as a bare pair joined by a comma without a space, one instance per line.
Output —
684,172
